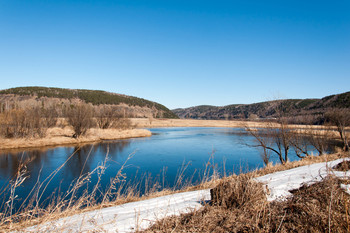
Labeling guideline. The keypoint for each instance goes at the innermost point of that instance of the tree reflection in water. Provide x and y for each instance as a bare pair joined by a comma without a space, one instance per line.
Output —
41,163
88,156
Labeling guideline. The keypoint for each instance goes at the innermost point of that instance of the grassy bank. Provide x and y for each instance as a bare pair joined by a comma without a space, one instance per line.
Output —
249,193
58,136
63,136
159,123
239,204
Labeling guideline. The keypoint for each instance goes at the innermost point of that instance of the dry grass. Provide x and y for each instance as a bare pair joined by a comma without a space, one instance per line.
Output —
236,199
63,136
69,203
271,168
158,123
240,205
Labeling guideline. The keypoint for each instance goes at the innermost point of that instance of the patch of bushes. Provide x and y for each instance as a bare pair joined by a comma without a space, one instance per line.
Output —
80,117
23,123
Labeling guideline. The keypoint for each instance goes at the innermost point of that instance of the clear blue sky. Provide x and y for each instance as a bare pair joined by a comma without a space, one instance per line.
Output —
179,53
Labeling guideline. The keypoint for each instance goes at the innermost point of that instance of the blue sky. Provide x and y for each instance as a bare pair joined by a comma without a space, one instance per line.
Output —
179,53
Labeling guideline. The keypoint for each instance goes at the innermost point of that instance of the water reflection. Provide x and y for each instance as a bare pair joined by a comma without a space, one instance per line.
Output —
10,161
83,160
88,157
166,150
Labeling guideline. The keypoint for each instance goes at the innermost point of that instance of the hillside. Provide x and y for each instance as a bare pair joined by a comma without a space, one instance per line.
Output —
290,108
48,95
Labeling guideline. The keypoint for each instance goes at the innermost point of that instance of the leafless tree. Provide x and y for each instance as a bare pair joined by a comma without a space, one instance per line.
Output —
105,117
341,119
274,138
50,115
123,123
80,117
300,144
319,138
21,123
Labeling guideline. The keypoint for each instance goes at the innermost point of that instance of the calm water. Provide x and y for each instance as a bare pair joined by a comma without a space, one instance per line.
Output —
160,157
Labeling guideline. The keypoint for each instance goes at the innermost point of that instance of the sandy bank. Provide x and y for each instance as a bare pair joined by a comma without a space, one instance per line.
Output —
58,137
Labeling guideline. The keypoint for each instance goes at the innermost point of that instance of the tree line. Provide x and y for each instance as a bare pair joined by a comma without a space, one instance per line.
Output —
279,137
94,97
34,121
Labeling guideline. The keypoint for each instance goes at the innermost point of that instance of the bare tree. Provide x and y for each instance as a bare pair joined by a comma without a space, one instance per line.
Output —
341,119
275,137
319,138
123,123
300,144
80,117
105,117
50,116
20,123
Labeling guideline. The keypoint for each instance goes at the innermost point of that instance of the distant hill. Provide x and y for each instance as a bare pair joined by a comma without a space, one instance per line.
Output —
47,95
292,108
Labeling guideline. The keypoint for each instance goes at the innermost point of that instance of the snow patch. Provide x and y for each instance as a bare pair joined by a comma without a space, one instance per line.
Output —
279,184
128,217
140,215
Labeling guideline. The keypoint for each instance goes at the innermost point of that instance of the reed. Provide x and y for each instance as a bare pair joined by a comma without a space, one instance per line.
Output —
83,195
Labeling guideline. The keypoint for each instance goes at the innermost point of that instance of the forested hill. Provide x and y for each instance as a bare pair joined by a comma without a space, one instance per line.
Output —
293,108
94,97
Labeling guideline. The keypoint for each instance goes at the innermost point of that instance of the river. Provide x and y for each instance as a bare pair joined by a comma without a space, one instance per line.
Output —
156,162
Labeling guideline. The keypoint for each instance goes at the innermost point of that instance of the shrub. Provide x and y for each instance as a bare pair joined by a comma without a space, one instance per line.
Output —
23,123
321,207
80,117
105,117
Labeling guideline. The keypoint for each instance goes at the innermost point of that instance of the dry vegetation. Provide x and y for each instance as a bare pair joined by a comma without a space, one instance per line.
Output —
240,205
73,124
236,199
77,199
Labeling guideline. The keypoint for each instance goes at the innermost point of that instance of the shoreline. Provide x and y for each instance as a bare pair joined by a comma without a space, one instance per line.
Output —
163,123
62,137
160,200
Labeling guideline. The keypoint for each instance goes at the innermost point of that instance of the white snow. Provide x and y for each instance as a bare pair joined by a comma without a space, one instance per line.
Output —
140,215
280,183
346,188
128,217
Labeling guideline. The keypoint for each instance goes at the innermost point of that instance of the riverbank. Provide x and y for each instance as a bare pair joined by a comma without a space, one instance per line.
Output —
160,123
63,136
58,137
139,215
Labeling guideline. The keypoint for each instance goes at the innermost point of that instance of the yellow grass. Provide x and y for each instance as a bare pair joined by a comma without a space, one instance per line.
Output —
63,136
158,123
58,136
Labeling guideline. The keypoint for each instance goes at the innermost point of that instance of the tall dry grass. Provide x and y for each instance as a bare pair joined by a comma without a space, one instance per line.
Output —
82,195
235,198
239,205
